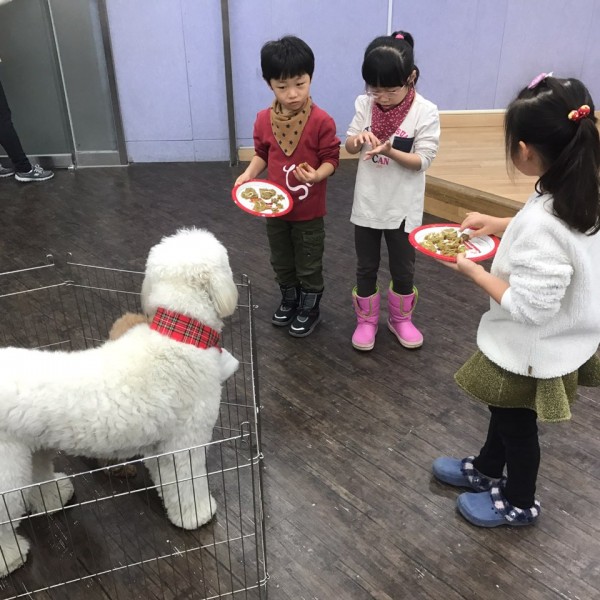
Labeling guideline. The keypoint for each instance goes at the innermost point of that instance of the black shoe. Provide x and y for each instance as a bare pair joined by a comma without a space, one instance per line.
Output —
284,315
308,315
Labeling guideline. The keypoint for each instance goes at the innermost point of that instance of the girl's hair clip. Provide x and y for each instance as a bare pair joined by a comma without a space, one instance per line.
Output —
399,36
581,113
537,80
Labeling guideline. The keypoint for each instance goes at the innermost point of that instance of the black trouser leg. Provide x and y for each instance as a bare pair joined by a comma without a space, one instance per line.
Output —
367,243
402,260
512,441
9,139
401,255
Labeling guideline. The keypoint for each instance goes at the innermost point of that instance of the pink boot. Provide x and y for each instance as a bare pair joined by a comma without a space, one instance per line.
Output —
399,322
367,317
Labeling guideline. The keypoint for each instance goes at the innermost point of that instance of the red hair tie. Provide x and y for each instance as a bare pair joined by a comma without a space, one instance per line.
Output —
581,113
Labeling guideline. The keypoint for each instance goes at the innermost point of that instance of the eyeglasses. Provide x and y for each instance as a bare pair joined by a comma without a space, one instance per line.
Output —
387,93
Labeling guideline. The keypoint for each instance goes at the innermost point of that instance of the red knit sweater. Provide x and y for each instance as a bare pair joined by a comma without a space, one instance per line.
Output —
318,144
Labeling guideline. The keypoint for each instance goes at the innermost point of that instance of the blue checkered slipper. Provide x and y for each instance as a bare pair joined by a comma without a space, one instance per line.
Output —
491,509
461,473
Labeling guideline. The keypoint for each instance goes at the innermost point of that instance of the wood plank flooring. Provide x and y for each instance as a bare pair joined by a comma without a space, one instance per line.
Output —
348,438
474,157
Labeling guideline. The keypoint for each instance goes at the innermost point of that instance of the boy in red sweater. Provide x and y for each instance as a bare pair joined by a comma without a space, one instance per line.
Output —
296,142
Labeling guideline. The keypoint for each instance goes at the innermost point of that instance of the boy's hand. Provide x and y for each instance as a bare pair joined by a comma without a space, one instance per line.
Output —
242,179
306,174
380,148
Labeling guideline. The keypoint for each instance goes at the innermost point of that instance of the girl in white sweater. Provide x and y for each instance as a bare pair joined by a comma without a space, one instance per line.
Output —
396,131
539,339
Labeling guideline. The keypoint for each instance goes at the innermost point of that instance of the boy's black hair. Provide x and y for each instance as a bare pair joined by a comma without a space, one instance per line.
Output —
569,150
389,60
287,57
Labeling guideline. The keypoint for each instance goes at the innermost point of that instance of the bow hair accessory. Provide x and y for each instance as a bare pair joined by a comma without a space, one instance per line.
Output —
537,80
581,113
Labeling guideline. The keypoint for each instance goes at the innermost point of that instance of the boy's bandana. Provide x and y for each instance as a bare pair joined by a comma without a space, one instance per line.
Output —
184,329
287,129
385,123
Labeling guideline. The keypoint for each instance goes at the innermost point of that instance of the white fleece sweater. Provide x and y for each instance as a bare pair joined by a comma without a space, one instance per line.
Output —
548,323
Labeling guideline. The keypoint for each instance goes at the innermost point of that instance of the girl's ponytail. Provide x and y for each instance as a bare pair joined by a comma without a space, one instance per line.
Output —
574,179
404,35
556,117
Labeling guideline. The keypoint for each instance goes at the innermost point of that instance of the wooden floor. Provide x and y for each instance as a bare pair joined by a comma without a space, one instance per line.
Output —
348,438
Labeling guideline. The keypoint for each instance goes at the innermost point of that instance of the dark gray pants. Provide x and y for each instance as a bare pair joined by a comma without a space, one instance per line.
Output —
401,254
297,252
9,139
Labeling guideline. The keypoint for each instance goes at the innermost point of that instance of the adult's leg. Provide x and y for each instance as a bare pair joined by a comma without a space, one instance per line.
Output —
367,242
9,139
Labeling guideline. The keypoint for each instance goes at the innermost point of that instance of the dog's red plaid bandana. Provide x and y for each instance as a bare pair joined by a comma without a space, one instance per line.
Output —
184,329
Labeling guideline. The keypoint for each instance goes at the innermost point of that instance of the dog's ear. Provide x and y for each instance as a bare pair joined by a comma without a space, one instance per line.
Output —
223,291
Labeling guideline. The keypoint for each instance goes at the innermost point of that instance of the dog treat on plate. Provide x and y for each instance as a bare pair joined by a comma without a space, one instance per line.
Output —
266,193
446,242
249,193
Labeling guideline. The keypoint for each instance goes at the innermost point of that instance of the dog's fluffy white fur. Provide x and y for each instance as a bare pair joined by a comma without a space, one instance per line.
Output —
141,394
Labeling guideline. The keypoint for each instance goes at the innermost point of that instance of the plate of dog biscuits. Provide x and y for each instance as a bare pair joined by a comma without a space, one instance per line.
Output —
262,198
444,241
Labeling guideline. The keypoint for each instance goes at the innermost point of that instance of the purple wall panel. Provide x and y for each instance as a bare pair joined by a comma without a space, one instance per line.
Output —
590,72
337,31
473,54
206,78
150,64
540,36
444,33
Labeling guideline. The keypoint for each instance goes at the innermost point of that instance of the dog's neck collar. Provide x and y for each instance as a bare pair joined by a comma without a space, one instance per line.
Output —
184,329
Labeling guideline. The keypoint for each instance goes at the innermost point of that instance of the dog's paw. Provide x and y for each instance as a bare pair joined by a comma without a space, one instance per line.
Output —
13,552
51,496
229,365
192,515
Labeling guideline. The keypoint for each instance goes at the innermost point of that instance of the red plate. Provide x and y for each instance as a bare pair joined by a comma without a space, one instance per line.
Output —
479,248
279,204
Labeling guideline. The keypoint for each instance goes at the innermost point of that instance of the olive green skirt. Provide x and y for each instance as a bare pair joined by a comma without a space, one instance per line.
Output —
550,398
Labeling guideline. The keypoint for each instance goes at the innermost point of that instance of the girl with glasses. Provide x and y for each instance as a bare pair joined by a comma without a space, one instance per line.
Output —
396,131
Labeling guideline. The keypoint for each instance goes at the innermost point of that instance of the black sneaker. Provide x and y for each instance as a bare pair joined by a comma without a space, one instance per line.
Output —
289,306
308,315
6,172
36,174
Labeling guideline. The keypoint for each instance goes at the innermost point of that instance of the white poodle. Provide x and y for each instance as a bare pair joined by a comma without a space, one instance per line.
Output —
154,390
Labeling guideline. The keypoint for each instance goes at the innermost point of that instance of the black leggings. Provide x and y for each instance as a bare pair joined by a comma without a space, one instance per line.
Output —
9,139
512,440
401,254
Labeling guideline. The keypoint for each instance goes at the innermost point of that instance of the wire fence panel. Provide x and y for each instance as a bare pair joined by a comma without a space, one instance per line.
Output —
112,540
